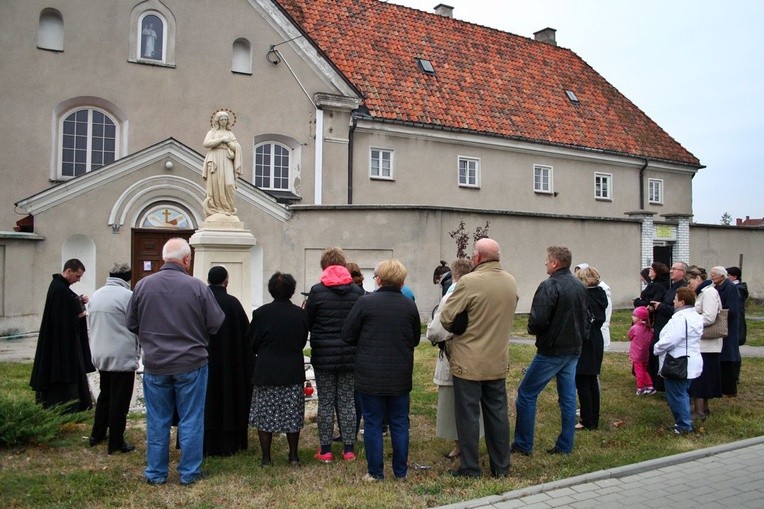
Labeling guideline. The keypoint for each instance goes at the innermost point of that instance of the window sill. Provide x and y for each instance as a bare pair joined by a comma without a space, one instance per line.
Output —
603,199
467,186
377,177
155,63
547,193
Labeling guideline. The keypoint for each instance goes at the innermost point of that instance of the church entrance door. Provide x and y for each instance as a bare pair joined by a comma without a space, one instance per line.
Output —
146,257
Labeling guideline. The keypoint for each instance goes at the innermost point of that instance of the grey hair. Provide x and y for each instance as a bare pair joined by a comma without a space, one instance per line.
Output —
175,249
120,268
719,271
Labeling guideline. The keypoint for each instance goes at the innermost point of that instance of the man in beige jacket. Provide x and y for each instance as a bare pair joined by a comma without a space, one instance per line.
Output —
480,313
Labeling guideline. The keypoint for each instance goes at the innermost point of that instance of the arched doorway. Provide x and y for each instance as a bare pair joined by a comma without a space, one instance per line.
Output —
158,224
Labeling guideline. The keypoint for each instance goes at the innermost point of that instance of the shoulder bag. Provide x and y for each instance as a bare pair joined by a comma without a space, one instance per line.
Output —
675,368
719,328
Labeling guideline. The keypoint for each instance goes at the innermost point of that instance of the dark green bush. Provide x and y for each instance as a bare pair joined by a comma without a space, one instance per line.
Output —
23,422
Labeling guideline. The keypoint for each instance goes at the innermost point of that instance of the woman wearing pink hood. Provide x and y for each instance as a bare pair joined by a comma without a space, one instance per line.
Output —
333,360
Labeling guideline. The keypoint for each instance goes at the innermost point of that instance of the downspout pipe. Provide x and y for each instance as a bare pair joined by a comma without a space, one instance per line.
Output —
351,138
642,185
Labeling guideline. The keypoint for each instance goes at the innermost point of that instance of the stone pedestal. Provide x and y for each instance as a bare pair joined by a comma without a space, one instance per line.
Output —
229,245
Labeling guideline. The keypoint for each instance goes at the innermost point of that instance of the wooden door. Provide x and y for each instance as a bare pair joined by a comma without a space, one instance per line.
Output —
146,257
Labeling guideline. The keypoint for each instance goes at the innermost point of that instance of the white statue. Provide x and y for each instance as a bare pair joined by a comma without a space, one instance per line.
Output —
222,166
149,41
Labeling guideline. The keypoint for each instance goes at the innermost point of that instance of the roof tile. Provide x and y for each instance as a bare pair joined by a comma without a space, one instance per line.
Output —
486,81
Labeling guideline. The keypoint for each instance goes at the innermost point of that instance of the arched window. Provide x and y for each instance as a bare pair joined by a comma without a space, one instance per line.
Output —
88,140
50,30
241,61
272,166
152,37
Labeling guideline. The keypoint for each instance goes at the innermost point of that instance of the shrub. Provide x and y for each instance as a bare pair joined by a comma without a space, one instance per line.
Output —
25,422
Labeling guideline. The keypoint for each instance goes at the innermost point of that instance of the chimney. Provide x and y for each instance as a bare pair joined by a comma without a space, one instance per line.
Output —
444,10
546,35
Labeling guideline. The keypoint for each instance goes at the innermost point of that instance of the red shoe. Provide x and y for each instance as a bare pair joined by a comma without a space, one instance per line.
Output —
348,456
324,458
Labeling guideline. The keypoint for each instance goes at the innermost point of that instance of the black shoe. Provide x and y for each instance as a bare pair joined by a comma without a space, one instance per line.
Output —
464,473
499,474
155,483
125,448
338,438
93,441
555,450
513,449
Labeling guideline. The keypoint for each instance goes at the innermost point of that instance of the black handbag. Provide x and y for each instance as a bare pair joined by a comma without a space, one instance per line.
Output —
675,368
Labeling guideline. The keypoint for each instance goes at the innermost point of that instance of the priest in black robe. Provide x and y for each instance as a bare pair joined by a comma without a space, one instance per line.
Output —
229,387
62,359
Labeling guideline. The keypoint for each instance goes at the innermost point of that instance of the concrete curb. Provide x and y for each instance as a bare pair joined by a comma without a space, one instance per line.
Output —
611,473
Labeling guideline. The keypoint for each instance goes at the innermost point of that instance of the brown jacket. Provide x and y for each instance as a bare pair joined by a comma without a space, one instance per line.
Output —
489,296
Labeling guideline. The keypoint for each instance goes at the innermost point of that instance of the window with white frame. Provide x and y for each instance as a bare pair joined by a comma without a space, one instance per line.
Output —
152,34
381,163
88,140
603,186
542,179
469,172
655,191
272,166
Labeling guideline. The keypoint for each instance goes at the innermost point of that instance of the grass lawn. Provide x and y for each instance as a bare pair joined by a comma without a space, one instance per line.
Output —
68,473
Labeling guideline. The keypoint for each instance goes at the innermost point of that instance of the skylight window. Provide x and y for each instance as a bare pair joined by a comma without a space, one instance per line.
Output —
571,96
425,66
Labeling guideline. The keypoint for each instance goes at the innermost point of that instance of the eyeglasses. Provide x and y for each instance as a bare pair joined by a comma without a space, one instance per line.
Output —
375,276
677,268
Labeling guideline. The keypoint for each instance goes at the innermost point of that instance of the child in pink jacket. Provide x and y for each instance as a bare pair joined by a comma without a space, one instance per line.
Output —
640,335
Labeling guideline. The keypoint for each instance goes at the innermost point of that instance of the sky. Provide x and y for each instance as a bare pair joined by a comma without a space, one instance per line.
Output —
696,67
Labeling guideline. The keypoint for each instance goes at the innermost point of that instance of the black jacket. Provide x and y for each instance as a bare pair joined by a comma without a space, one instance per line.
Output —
593,348
385,326
558,316
655,290
327,308
278,333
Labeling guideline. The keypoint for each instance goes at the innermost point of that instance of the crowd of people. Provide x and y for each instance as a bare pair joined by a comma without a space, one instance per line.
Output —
214,373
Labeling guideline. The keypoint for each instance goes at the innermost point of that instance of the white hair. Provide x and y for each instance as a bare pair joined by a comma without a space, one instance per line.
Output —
175,249
719,271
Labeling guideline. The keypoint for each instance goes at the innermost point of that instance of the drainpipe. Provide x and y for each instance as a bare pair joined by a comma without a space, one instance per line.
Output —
351,137
319,157
642,185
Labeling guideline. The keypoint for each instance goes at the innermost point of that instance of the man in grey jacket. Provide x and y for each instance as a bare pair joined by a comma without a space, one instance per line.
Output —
560,322
116,353
174,314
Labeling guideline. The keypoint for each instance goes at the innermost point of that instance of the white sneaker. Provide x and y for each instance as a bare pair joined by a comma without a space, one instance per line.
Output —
648,391
640,392
369,478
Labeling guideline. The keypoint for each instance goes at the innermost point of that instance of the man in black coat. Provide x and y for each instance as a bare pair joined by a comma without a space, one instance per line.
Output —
229,386
62,359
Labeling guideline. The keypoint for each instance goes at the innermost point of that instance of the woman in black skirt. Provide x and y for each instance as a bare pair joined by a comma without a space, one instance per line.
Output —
278,332
709,384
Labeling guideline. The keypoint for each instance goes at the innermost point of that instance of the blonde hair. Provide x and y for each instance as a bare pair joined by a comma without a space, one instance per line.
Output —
391,273
588,276
460,267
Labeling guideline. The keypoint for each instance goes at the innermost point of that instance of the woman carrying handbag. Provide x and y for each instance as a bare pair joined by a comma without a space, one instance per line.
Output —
679,345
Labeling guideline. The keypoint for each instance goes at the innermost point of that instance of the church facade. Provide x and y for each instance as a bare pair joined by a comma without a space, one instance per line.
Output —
363,124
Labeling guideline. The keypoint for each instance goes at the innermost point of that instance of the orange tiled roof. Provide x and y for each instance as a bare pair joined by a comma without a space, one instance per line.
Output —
487,81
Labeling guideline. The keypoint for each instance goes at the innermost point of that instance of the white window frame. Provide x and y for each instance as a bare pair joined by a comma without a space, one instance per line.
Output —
539,186
89,149
271,168
158,9
655,191
602,191
472,171
376,164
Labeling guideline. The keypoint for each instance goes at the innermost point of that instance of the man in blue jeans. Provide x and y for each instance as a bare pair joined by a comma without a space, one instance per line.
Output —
173,315
559,320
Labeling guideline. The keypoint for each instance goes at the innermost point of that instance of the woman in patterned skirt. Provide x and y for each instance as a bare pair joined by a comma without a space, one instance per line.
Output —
278,333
